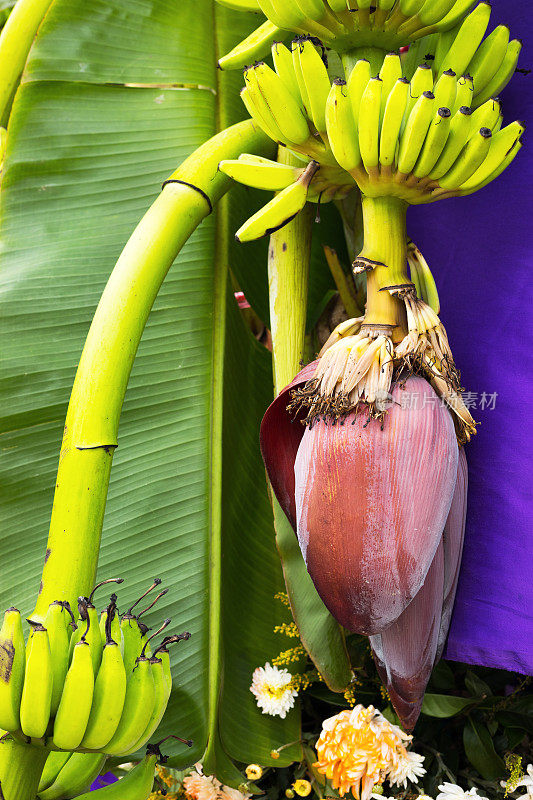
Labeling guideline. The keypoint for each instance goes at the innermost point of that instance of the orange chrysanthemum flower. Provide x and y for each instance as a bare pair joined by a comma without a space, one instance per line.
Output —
357,749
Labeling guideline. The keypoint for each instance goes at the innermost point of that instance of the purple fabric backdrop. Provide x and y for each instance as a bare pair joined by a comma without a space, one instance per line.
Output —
480,250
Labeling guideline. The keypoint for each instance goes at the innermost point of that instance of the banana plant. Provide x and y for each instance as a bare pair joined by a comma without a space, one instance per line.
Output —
101,117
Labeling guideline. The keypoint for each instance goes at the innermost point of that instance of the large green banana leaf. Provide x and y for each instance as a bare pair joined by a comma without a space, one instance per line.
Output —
114,95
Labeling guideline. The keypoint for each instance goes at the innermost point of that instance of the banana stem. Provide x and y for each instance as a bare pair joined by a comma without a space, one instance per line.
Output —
91,426
16,40
288,278
385,244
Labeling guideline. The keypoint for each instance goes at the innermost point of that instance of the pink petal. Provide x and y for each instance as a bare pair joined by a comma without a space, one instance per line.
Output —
281,434
453,538
371,505
405,652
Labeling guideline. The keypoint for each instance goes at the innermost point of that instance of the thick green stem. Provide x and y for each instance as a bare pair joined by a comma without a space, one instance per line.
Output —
385,245
288,275
15,41
91,426
288,278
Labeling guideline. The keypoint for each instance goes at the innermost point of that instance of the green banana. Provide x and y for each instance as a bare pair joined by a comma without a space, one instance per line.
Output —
109,692
78,773
283,64
132,637
509,157
503,74
356,85
430,13
488,57
501,144
422,81
12,664
258,109
467,41
391,126
38,681
280,210
137,784
341,127
284,108
368,125
390,72
137,710
160,664
272,175
454,16
76,700
255,46
414,134
470,158
486,116
162,694
465,93
445,90
56,625
317,83
434,143
54,764
457,138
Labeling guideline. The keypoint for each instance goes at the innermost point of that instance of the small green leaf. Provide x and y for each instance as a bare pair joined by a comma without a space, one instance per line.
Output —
443,705
513,719
480,751
476,686
442,677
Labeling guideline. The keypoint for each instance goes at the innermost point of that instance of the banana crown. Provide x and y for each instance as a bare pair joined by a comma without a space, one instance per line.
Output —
347,24
418,140
88,688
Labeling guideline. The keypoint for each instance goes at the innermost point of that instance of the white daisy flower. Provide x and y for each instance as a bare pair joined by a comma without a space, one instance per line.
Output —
527,782
408,767
273,690
450,791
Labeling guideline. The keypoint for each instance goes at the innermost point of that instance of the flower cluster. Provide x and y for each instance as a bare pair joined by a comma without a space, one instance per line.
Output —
273,690
360,748
206,787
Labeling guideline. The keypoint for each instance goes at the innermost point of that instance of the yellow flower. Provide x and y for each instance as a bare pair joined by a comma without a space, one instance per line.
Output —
254,772
289,793
302,787
357,749
274,754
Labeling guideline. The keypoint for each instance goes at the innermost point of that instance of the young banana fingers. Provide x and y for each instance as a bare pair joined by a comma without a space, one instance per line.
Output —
54,764
56,625
38,680
280,210
457,138
489,57
467,40
368,126
12,663
414,134
162,694
503,74
470,158
391,125
434,143
137,710
341,127
136,785
502,145
317,83
76,699
255,46
77,774
268,175
109,693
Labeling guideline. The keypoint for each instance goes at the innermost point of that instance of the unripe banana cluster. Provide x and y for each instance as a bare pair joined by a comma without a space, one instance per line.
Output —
418,140
345,24
89,685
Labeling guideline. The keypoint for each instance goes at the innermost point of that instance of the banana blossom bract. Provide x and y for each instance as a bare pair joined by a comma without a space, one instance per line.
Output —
369,500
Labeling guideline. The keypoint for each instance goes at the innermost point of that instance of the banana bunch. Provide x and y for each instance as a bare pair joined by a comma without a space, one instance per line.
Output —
91,685
345,24
417,140
489,62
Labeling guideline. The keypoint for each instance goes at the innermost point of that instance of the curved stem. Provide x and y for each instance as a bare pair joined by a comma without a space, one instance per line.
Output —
16,40
91,426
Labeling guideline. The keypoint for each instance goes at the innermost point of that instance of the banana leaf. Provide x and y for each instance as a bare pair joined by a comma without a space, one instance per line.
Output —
114,95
